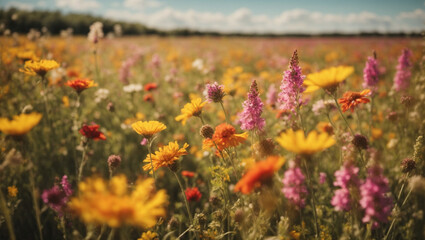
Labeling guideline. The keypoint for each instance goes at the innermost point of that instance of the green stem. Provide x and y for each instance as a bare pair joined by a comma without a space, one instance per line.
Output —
150,157
316,225
83,162
112,233
184,197
35,201
225,113
7,217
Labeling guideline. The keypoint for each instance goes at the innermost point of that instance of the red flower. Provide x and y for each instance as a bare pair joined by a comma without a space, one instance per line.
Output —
148,98
151,86
81,84
188,174
193,194
92,132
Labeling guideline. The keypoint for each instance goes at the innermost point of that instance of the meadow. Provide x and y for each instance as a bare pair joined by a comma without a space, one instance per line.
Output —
211,138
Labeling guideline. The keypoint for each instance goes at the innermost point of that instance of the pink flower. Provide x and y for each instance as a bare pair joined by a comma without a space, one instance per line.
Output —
250,117
402,77
214,92
371,74
292,86
346,179
322,177
57,197
375,200
294,187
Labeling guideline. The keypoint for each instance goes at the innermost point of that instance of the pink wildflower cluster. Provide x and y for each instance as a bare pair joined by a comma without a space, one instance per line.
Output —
250,118
124,71
371,74
346,178
58,196
294,187
374,199
271,97
292,86
402,77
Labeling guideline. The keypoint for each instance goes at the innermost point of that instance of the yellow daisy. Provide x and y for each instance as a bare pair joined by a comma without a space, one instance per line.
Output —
165,156
40,67
296,142
327,79
194,108
20,125
148,128
100,202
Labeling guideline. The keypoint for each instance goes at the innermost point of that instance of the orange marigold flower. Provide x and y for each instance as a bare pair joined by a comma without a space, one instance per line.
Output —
259,173
151,86
188,174
351,99
225,136
92,132
81,84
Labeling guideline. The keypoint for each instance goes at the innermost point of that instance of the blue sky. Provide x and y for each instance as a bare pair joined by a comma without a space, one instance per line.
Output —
278,16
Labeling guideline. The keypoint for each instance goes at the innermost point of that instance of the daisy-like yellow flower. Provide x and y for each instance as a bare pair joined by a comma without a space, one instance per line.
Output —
111,203
194,108
148,128
26,55
12,191
149,236
20,125
165,156
40,67
296,142
327,79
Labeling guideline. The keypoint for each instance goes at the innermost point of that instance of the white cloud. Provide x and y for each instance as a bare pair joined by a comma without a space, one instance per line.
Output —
291,21
141,4
19,5
79,5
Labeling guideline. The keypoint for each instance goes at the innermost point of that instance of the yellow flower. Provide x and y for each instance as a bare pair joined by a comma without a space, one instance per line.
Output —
148,128
13,191
296,142
40,67
166,156
27,55
21,124
100,202
194,108
65,101
149,236
327,79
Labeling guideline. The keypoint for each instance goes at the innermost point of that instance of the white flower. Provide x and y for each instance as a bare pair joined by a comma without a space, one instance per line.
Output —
96,32
198,64
133,88
101,94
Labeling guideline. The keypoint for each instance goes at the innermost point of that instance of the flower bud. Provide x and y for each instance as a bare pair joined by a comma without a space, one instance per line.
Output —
408,165
207,131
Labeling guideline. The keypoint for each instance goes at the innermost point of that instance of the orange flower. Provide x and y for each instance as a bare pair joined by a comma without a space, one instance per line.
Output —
81,84
351,99
225,136
258,174
150,86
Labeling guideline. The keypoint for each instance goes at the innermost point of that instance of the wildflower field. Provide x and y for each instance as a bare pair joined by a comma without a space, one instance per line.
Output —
212,138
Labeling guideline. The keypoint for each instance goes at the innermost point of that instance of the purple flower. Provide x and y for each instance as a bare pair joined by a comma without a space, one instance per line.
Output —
402,77
66,186
291,87
57,197
371,74
250,117
214,92
294,187
346,179
124,72
271,96
374,199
